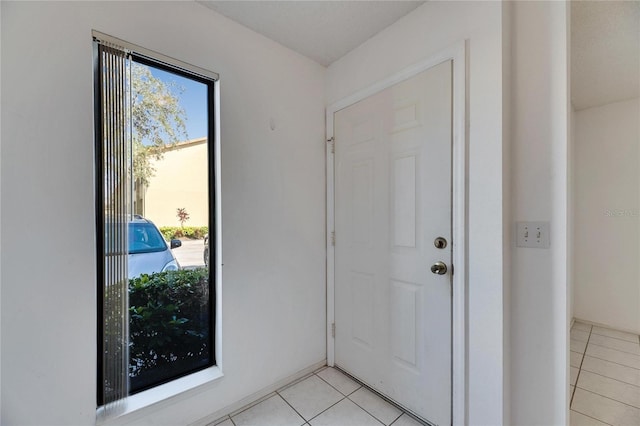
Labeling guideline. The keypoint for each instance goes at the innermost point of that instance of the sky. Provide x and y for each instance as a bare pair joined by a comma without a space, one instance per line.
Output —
193,100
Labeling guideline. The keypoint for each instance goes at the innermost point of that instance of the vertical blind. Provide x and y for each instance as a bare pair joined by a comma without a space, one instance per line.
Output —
114,205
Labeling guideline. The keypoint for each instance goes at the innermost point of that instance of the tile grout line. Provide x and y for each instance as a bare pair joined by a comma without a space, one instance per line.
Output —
586,415
601,375
612,362
584,354
575,386
366,411
362,408
295,382
617,338
609,398
359,385
603,327
306,421
220,420
384,398
342,398
618,350
332,405
611,378
393,422
397,418
250,405
327,409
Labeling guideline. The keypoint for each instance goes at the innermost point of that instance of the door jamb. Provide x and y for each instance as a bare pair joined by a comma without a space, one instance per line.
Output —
457,54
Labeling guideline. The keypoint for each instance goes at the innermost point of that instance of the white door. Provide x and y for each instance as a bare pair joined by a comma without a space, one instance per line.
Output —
392,201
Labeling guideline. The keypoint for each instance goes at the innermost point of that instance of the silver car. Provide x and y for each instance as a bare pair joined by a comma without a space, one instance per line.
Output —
148,250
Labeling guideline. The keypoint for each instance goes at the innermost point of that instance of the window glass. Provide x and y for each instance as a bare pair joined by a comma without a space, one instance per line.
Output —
169,298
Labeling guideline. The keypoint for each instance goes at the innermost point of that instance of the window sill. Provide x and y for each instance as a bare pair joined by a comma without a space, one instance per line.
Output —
161,393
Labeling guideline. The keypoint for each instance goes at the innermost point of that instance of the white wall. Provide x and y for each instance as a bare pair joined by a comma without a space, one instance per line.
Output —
607,213
0,222
273,204
539,137
507,30
571,248
428,29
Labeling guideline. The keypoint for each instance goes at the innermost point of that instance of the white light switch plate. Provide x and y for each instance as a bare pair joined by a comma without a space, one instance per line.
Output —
532,234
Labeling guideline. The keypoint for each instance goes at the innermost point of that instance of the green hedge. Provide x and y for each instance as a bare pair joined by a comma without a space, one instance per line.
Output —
175,232
169,322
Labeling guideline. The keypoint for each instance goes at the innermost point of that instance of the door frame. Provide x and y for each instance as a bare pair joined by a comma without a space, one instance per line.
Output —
457,53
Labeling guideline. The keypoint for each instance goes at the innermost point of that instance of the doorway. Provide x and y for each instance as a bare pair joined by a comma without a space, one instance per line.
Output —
396,309
604,204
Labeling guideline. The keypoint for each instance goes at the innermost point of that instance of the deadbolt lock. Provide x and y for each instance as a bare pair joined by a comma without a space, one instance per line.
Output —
440,243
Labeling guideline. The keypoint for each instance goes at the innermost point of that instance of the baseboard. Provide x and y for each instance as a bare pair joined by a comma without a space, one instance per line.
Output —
258,396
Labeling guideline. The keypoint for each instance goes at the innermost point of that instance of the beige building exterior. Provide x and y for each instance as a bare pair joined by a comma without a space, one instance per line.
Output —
180,181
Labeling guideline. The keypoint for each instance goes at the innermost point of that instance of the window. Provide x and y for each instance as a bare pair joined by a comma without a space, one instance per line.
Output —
155,218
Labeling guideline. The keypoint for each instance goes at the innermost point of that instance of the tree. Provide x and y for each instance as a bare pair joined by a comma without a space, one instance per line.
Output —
182,215
158,119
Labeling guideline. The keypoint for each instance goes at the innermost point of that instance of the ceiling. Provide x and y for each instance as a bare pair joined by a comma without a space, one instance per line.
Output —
605,36
605,52
321,30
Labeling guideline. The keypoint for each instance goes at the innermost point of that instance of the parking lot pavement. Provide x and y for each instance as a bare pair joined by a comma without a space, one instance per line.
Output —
191,253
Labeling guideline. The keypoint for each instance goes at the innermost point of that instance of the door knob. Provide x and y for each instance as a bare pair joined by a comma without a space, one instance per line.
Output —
439,268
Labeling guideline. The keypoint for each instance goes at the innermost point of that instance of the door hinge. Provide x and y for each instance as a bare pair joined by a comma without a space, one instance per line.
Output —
333,238
332,144
333,329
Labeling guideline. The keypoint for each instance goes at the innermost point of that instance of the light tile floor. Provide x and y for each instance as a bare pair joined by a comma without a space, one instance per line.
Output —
605,376
325,398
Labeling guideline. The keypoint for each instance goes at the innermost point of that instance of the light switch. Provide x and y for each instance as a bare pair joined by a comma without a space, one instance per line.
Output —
532,234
